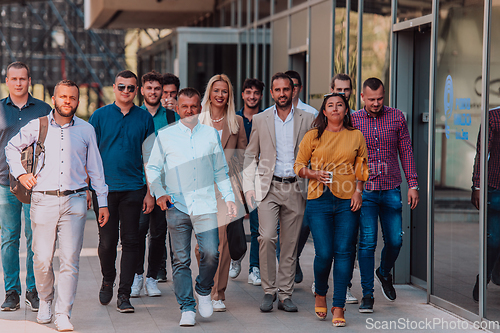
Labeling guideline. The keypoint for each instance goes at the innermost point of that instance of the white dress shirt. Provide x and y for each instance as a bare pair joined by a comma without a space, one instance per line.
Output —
306,107
285,157
192,162
69,149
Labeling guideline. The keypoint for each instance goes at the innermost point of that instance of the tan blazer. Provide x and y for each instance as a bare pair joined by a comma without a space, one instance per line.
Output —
260,155
234,148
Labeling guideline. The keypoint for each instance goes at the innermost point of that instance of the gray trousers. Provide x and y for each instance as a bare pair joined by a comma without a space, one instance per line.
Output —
63,219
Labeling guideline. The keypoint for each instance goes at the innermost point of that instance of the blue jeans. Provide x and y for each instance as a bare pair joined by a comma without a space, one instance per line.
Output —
10,221
493,230
387,205
180,226
254,243
334,228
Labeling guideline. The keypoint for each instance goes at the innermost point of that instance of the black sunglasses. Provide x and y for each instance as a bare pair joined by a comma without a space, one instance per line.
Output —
130,88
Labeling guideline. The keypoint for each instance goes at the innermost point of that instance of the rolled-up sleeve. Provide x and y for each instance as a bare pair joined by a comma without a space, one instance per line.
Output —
26,136
221,172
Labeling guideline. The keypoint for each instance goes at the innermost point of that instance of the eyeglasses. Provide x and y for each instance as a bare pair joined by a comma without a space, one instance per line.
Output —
334,94
130,88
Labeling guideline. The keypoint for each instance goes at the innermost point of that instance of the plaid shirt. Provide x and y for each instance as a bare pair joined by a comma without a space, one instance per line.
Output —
385,135
493,150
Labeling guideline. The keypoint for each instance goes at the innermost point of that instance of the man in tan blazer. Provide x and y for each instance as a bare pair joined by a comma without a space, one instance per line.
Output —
269,180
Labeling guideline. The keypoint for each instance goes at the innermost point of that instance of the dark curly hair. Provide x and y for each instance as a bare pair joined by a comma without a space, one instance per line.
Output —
321,122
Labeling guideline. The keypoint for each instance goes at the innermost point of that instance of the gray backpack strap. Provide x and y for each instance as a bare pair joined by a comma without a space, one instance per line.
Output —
40,148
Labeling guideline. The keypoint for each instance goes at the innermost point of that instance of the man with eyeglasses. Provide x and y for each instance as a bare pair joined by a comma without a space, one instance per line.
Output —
121,128
297,88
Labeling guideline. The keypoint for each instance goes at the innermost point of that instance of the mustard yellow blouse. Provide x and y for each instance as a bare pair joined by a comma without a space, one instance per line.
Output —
343,153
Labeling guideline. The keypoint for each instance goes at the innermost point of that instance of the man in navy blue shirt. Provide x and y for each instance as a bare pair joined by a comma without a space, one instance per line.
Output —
16,111
121,128
252,96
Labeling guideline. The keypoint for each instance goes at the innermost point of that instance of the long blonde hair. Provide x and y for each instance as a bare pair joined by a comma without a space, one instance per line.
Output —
230,111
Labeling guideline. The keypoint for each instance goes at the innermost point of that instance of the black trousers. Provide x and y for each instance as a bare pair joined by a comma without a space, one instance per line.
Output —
156,223
124,213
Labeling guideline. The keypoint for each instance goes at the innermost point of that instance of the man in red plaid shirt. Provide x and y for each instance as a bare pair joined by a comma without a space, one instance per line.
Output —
386,135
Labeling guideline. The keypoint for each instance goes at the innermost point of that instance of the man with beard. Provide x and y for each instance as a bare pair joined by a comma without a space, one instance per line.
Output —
190,155
155,221
121,129
59,200
16,110
252,96
269,179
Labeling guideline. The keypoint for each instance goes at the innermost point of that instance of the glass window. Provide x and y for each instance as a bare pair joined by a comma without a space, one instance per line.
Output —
458,117
280,5
376,41
243,14
408,10
298,2
264,8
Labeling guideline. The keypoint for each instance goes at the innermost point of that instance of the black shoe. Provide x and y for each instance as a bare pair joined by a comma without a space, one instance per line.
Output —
298,273
386,283
106,292
11,301
162,275
287,305
32,300
123,304
267,303
366,305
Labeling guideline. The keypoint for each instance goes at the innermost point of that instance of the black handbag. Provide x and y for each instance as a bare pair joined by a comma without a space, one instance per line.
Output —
236,239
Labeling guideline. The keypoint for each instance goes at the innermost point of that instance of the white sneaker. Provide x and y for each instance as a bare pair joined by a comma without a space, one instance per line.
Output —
205,307
62,323
151,288
137,286
254,277
44,315
235,268
188,318
218,306
313,288
349,297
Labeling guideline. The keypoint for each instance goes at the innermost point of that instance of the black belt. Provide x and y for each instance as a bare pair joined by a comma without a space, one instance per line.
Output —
288,180
64,193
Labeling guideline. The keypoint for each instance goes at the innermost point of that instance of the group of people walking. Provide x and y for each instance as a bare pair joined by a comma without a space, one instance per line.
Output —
185,163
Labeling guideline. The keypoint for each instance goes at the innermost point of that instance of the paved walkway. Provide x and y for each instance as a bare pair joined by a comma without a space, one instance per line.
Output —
161,314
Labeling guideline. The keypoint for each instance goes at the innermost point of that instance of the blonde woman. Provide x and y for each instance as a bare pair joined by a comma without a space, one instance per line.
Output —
218,111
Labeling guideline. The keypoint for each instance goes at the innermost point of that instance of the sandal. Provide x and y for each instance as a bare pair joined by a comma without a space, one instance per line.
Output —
320,309
338,321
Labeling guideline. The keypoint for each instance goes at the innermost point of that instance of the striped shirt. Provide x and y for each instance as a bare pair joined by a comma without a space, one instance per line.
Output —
385,136
493,150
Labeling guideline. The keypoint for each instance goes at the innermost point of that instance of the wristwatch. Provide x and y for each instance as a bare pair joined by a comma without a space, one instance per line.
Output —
415,188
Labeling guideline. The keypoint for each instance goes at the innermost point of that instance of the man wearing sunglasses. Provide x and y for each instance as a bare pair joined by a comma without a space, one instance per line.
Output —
121,128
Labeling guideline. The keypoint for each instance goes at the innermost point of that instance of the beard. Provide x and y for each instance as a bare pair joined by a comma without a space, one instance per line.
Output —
153,102
285,103
63,113
252,105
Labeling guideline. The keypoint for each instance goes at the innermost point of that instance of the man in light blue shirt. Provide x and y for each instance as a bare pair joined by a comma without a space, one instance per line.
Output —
191,156
297,88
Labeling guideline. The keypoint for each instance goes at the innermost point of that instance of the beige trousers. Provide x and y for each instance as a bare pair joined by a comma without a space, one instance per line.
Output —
62,219
284,204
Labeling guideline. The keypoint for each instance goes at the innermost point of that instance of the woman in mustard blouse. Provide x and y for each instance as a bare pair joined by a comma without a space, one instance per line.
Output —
338,169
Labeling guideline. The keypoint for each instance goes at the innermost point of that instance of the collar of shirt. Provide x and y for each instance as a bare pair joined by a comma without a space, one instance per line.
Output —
31,101
288,118
381,113
52,121
117,108
160,110
241,113
186,129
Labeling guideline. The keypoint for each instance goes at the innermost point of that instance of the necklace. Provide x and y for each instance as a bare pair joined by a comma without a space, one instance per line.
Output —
218,120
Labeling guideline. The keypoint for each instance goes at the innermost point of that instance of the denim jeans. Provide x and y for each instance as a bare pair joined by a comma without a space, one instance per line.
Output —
180,227
254,243
334,228
124,212
493,230
387,205
10,221
156,223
